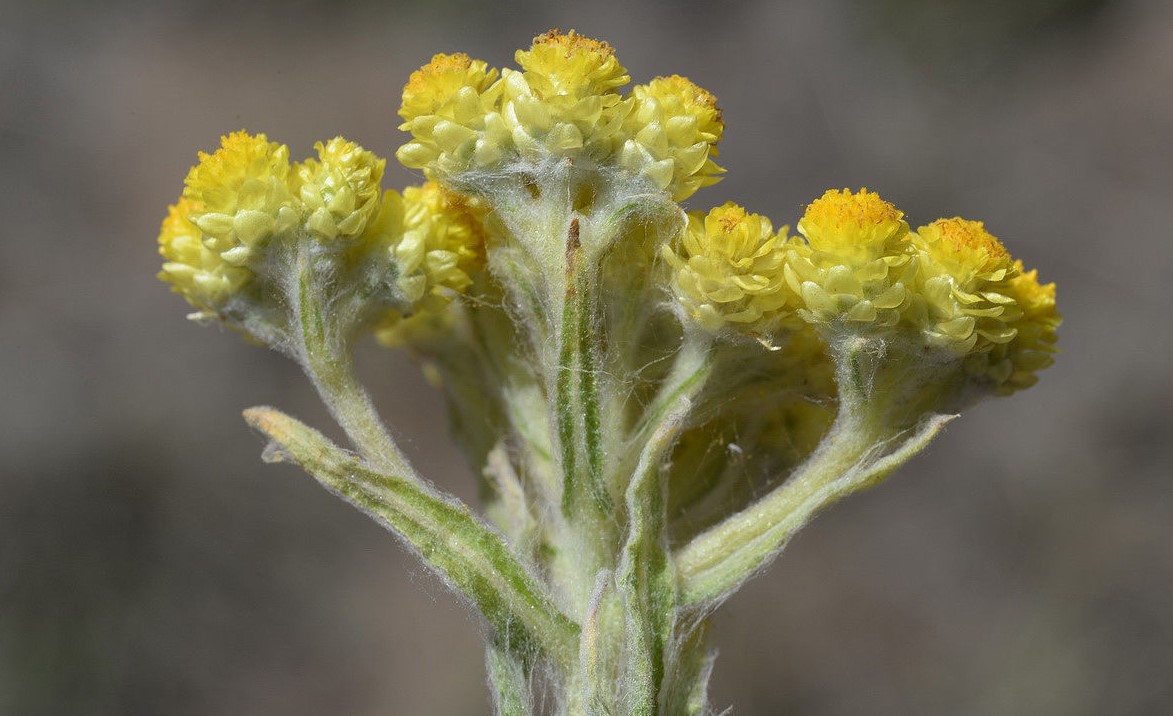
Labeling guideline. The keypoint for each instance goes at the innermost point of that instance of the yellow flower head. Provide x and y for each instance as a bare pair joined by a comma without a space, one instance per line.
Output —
340,190
858,227
243,194
672,135
438,243
728,270
194,271
962,286
852,267
435,86
1012,365
436,240
450,106
564,102
569,64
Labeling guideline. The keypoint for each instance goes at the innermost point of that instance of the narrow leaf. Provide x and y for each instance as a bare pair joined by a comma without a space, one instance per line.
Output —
467,554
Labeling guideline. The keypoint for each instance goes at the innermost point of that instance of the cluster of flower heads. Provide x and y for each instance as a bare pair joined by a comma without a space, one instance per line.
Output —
949,290
245,211
563,103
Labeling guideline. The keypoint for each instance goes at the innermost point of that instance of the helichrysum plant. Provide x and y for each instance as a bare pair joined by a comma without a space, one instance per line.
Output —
655,399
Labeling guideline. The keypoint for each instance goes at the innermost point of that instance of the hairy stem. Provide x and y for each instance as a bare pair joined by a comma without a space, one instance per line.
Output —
326,358
867,442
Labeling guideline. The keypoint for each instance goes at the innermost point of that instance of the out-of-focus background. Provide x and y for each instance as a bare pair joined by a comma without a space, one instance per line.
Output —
150,563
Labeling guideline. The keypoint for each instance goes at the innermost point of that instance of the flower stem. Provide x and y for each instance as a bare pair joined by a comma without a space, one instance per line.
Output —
862,447
326,358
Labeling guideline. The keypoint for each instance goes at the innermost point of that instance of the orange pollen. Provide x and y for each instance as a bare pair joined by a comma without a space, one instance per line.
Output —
730,217
962,234
441,64
574,43
843,207
689,91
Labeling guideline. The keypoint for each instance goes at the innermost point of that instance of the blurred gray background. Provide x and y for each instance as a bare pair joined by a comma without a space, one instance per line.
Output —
150,563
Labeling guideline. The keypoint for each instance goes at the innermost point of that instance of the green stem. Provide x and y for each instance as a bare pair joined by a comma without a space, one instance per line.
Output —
645,574
565,406
863,446
509,683
326,358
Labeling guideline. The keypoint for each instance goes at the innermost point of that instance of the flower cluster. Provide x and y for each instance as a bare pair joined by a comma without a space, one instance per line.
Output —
948,291
563,103
657,399
246,212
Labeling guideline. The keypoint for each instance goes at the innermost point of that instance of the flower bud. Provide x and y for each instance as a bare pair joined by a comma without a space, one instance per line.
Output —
672,136
340,190
727,271
851,269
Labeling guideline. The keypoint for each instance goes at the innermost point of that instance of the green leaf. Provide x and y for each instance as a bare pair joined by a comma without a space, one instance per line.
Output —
467,554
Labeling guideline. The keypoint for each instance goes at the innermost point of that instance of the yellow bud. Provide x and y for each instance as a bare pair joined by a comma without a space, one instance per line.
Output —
727,271
852,270
672,135
340,190
572,65
243,196
194,271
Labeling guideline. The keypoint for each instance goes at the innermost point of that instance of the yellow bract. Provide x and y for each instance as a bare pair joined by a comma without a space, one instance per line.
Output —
962,302
852,268
194,271
1011,366
243,195
672,135
727,271
340,190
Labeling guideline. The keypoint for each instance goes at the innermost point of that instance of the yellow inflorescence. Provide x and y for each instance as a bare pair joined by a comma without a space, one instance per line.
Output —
1012,365
852,267
436,239
243,194
243,207
563,103
194,271
728,269
950,291
672,135
450,106
962,287
340,190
